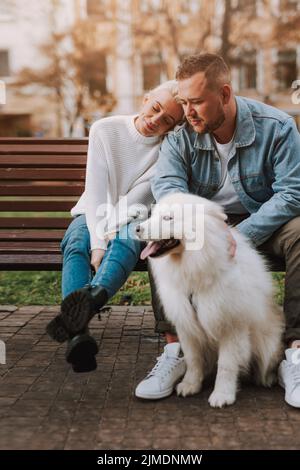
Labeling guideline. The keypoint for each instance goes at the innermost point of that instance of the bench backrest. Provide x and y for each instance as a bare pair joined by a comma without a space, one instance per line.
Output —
40,180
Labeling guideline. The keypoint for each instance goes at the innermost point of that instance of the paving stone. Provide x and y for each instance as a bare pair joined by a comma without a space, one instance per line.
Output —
45,405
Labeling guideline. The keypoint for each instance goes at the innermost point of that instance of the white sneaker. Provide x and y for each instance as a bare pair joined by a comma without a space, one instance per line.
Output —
161,381
289,376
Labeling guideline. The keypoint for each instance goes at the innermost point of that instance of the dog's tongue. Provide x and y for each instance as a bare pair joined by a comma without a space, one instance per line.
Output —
149,250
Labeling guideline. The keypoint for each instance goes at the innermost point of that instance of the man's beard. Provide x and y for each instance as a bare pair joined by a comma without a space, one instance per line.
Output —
210,127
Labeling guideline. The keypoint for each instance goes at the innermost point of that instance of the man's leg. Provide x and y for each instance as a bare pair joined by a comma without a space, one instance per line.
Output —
285,243
170,366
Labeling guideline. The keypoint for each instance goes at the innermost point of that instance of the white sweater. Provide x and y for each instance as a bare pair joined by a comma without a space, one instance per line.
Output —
120,162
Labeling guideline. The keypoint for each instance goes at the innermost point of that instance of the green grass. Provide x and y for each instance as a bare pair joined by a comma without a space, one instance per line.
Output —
44,288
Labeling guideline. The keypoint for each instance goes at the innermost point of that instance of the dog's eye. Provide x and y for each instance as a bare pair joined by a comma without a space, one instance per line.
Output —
167,217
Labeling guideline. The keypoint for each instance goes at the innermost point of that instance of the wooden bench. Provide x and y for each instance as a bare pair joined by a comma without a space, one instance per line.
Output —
38,179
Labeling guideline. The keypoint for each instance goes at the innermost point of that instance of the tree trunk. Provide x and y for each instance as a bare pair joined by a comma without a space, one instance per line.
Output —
225,46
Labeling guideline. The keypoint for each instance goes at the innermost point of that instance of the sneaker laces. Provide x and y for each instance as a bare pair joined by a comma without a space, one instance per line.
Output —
164,366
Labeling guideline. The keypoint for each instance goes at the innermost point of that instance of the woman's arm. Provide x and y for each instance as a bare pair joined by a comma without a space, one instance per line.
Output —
96,188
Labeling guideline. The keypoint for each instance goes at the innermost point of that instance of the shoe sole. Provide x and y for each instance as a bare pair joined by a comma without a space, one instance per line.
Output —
57,330
157,396
164,394
76,312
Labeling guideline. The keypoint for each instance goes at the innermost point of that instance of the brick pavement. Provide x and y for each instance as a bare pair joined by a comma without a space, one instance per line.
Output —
45,405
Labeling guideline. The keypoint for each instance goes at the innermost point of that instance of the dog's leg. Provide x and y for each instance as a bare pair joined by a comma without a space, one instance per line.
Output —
268,353
234,353
192,380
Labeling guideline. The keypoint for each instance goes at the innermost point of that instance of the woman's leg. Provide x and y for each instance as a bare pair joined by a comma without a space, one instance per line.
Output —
76,271
75,247
118,262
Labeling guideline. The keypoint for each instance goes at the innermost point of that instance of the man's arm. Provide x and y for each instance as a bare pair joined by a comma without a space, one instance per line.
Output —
170,170
284,205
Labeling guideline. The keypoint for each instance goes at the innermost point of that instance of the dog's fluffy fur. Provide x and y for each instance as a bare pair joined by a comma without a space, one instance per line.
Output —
222,306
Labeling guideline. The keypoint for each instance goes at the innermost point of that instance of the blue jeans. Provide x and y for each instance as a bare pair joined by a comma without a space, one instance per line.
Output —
118,262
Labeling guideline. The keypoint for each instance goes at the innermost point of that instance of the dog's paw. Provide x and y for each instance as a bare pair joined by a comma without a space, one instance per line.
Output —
186,388
220,399
270,379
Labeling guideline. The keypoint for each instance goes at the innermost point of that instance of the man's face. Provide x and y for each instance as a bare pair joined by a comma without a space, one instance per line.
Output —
203,107
160,112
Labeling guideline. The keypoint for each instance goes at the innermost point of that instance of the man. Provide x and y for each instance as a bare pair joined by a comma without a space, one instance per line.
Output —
245,155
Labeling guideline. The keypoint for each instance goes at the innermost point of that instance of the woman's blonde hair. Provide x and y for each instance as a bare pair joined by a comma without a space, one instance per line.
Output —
171,86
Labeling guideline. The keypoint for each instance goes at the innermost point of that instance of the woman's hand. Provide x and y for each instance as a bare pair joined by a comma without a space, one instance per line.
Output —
96,258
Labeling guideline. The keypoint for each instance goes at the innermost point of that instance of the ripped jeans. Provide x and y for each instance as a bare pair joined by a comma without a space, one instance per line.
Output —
117,264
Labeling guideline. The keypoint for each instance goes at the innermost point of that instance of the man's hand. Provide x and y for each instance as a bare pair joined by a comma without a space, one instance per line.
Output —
96,258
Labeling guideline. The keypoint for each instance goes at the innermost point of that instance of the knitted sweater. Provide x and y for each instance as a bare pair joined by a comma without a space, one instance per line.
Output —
119,163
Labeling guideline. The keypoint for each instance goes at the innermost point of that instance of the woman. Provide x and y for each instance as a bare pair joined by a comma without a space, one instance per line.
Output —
121,154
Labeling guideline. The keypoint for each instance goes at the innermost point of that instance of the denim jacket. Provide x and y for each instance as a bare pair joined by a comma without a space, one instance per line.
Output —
264,167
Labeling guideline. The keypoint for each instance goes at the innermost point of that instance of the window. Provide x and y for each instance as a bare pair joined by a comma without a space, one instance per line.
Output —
4,64
151,72
7,11
97,77
286,68
290,5
247,72
149,6
96,8
248,6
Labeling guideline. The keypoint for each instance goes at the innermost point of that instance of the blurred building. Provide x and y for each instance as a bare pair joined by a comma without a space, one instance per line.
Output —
142,41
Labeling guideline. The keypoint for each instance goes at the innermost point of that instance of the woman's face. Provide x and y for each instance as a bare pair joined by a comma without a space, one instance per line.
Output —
159,114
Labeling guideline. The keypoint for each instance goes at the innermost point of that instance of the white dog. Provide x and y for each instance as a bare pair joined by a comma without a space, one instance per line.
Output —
222,306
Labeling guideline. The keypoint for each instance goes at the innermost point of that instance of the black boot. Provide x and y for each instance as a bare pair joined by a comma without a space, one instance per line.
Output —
77,309
81,352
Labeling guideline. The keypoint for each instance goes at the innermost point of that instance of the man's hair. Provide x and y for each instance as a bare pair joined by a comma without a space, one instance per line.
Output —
214,67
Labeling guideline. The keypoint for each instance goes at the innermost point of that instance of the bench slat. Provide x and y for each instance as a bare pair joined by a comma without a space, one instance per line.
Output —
37,235
40,161
30,262
38,149
42,174
34,222
51,188
29,246
43,141
45,262
37,206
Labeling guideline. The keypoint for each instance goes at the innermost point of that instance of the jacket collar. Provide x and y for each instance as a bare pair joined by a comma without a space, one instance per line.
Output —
245,129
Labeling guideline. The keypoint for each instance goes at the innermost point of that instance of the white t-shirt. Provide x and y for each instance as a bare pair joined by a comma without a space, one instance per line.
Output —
226,196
